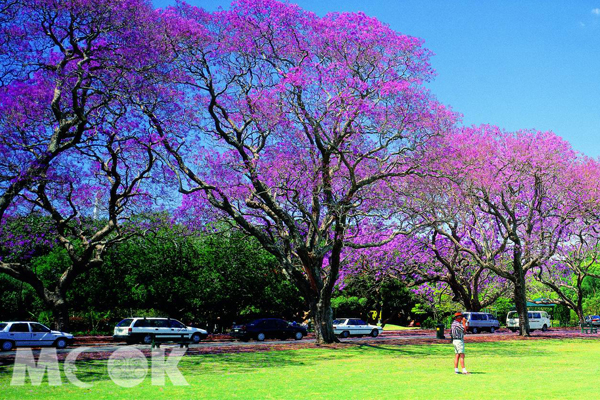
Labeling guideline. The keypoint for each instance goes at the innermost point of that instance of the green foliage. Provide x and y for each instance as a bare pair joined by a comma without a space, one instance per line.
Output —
49,267
396,301
364,293
418,309
442,305
591,305
591,286
591,290
349,306
562,313
18,301
45,317
501,307
211,280
429,323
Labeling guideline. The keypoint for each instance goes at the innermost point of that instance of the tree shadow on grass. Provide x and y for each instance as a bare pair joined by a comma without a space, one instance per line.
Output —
499,349
87,371
90,370
232,363
248,362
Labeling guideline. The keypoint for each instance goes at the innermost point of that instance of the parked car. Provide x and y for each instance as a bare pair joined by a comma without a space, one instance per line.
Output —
537,320
27,333
479,322
265,328
345,327
143,330
593,319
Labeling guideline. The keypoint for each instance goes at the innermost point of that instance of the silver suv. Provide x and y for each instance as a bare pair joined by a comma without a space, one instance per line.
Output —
479,322
143,330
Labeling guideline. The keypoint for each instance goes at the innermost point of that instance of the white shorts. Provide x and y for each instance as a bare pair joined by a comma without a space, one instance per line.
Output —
459,346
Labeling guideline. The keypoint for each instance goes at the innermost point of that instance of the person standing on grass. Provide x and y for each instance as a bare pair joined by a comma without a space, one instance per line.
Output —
457,330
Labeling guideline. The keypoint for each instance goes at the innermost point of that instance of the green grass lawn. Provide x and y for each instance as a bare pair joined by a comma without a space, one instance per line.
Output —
548,369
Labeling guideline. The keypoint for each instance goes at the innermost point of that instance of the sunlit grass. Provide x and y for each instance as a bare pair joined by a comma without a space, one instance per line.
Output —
548,369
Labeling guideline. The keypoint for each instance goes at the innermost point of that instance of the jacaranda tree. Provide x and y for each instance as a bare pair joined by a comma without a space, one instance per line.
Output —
294,126
576,258
505,200
88,201
63,67
70,140
427,258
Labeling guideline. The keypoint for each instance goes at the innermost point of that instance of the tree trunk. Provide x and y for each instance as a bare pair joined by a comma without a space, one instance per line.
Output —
323,321
579,312
60,310
521,305
579,305
471,303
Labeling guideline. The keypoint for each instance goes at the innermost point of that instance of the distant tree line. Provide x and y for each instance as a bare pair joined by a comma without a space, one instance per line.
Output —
210,279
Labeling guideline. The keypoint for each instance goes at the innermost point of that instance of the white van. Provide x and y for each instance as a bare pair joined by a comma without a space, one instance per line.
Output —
537,320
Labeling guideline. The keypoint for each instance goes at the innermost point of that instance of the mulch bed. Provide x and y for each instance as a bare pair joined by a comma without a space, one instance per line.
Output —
216,338
221,337
87,340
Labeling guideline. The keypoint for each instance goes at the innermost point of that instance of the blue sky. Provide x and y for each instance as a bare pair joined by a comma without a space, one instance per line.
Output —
517,64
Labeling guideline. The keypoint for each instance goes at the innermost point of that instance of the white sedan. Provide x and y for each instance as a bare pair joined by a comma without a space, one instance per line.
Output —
26,333
345,327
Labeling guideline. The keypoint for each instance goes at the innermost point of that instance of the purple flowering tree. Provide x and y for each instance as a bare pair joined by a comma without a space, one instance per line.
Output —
294,126
576,259
63,69
88,201
428,262
441,261
73,147
503,201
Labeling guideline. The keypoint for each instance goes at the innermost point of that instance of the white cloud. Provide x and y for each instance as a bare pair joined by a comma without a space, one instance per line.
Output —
596,11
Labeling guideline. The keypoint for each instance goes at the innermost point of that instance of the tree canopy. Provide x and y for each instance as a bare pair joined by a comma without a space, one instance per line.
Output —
314,135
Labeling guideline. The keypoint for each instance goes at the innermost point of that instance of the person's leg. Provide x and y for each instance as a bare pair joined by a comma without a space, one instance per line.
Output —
456,355
462,363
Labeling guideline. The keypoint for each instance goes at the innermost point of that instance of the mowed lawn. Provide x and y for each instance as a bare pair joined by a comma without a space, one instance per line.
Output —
535,369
